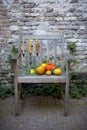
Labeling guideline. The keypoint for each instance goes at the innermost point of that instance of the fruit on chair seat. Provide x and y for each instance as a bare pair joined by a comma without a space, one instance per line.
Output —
57,71
48,72
43,64
32,71
49,66
40,70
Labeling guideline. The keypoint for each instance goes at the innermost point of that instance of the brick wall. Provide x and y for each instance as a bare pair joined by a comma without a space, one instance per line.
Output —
42,16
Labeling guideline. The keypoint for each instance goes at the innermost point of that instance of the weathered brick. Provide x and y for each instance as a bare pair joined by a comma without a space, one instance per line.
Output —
71,10
49,10
74,1
42,16
53,14
29,5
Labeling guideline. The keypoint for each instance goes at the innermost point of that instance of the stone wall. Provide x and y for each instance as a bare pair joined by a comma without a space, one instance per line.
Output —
42,17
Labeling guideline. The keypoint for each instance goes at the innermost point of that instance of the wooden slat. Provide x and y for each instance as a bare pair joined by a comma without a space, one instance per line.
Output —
42,79
41,51
55,54
48,52
27,54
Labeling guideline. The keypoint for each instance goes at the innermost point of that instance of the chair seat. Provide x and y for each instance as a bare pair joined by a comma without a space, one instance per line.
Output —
42,79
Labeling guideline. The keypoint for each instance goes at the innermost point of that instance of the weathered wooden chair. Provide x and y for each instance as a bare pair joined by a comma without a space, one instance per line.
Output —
52,48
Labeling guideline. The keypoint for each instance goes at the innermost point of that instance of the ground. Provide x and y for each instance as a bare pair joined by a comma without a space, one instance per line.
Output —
43,113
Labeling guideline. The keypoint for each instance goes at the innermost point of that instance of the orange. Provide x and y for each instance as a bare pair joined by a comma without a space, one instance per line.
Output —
40,70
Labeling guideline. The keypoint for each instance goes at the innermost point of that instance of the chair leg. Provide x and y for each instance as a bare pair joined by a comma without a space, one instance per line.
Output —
66,103
66,100
66,106
16,89
16,100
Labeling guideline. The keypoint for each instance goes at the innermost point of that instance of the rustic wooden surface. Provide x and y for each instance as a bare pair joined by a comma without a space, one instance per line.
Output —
42,79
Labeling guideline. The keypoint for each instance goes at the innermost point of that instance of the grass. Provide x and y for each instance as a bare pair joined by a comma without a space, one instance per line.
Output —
6,92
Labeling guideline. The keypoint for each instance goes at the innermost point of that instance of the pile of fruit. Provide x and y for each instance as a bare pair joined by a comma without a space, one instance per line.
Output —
46,68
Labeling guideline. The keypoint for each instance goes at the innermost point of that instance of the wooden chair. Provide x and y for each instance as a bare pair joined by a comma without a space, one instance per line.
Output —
50,47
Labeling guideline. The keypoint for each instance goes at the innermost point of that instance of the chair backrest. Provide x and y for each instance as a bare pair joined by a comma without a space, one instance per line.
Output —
37,48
